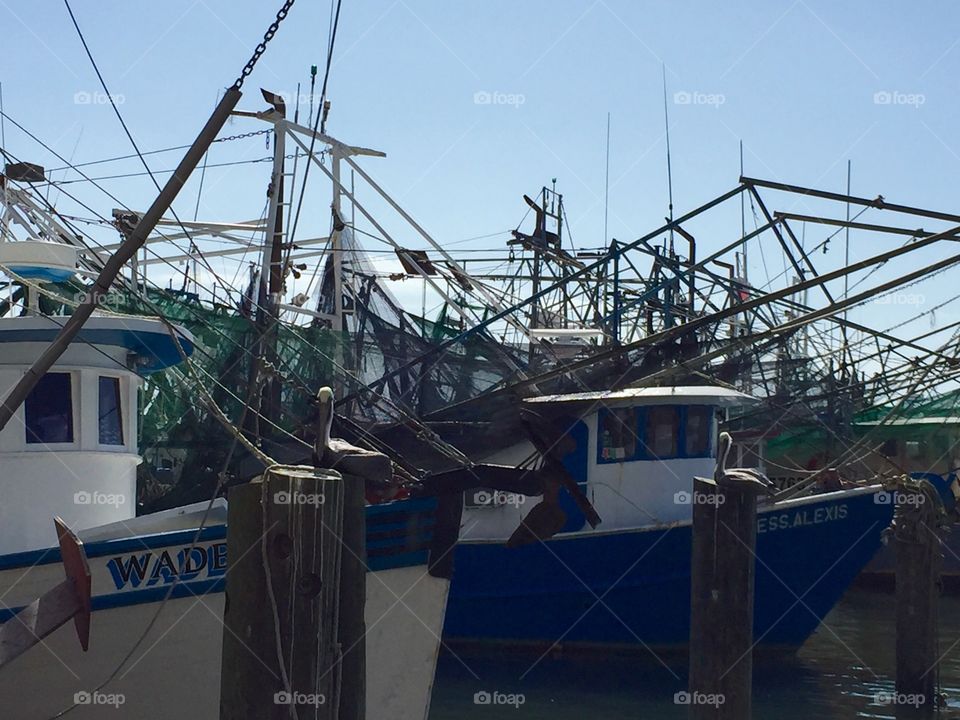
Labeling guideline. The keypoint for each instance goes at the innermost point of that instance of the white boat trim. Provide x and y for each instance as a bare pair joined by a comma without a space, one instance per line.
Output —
680,395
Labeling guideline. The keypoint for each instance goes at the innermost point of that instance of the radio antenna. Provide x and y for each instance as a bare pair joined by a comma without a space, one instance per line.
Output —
666,124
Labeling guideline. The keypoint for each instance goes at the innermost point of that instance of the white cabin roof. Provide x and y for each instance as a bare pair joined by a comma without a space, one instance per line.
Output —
930,420
679,395
148,338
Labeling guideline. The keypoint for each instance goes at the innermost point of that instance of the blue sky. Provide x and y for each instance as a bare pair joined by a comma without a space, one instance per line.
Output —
806,85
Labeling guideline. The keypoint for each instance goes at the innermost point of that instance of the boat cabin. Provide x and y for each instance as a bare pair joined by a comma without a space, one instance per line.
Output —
71,448
634,452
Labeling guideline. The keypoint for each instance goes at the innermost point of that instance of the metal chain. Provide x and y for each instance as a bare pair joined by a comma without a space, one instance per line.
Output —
243,135
262,46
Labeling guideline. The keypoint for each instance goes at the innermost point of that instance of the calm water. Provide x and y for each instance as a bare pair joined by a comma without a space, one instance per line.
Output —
836,675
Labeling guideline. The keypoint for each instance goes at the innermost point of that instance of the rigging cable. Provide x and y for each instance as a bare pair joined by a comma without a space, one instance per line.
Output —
321,113
237,84
118,158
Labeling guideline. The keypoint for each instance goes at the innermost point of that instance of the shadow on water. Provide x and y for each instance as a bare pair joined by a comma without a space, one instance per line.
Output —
845,670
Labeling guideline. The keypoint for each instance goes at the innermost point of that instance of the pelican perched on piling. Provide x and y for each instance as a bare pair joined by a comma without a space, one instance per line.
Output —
336,454
736,476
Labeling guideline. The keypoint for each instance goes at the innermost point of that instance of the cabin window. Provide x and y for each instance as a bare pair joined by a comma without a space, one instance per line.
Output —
111,419
655,432
662,431
618,434
48,410
697,431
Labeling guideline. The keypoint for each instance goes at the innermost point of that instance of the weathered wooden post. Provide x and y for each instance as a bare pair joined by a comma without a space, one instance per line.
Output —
280,642
353,592
358,467
722,577
294,641
917,527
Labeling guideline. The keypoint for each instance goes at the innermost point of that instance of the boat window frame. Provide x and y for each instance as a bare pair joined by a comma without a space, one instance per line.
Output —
711,413
638,446
642,450
678,436
120,410
73,399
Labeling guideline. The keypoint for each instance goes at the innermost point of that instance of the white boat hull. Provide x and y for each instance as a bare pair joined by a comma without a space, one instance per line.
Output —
175,671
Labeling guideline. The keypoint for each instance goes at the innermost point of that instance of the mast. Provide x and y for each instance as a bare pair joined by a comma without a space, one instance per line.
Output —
336,247
271,272
535,271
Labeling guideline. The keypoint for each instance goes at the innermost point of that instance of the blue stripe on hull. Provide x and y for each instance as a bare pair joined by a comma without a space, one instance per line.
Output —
546,593
399,535
400,525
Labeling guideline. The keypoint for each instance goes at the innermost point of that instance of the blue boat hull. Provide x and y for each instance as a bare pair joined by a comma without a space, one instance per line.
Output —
632,588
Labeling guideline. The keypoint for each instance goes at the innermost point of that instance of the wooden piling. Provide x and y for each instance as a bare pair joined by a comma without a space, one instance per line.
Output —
916,531
722,579
352,629
280,640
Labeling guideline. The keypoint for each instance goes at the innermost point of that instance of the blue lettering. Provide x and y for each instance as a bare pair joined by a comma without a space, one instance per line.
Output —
133,571
191,566
217,564
164,569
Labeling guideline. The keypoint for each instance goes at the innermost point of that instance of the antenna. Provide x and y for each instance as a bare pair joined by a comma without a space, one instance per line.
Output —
846,252
743,219
3,134
313,83
606,186
666,123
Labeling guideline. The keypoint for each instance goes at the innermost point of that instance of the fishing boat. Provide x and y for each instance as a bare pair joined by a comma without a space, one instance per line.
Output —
569,319
158,580
625,584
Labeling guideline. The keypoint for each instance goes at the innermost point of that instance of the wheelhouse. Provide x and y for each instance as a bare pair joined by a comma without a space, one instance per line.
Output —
633,452
71,449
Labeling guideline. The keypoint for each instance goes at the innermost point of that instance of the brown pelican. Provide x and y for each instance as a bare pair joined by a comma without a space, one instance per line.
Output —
336,454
